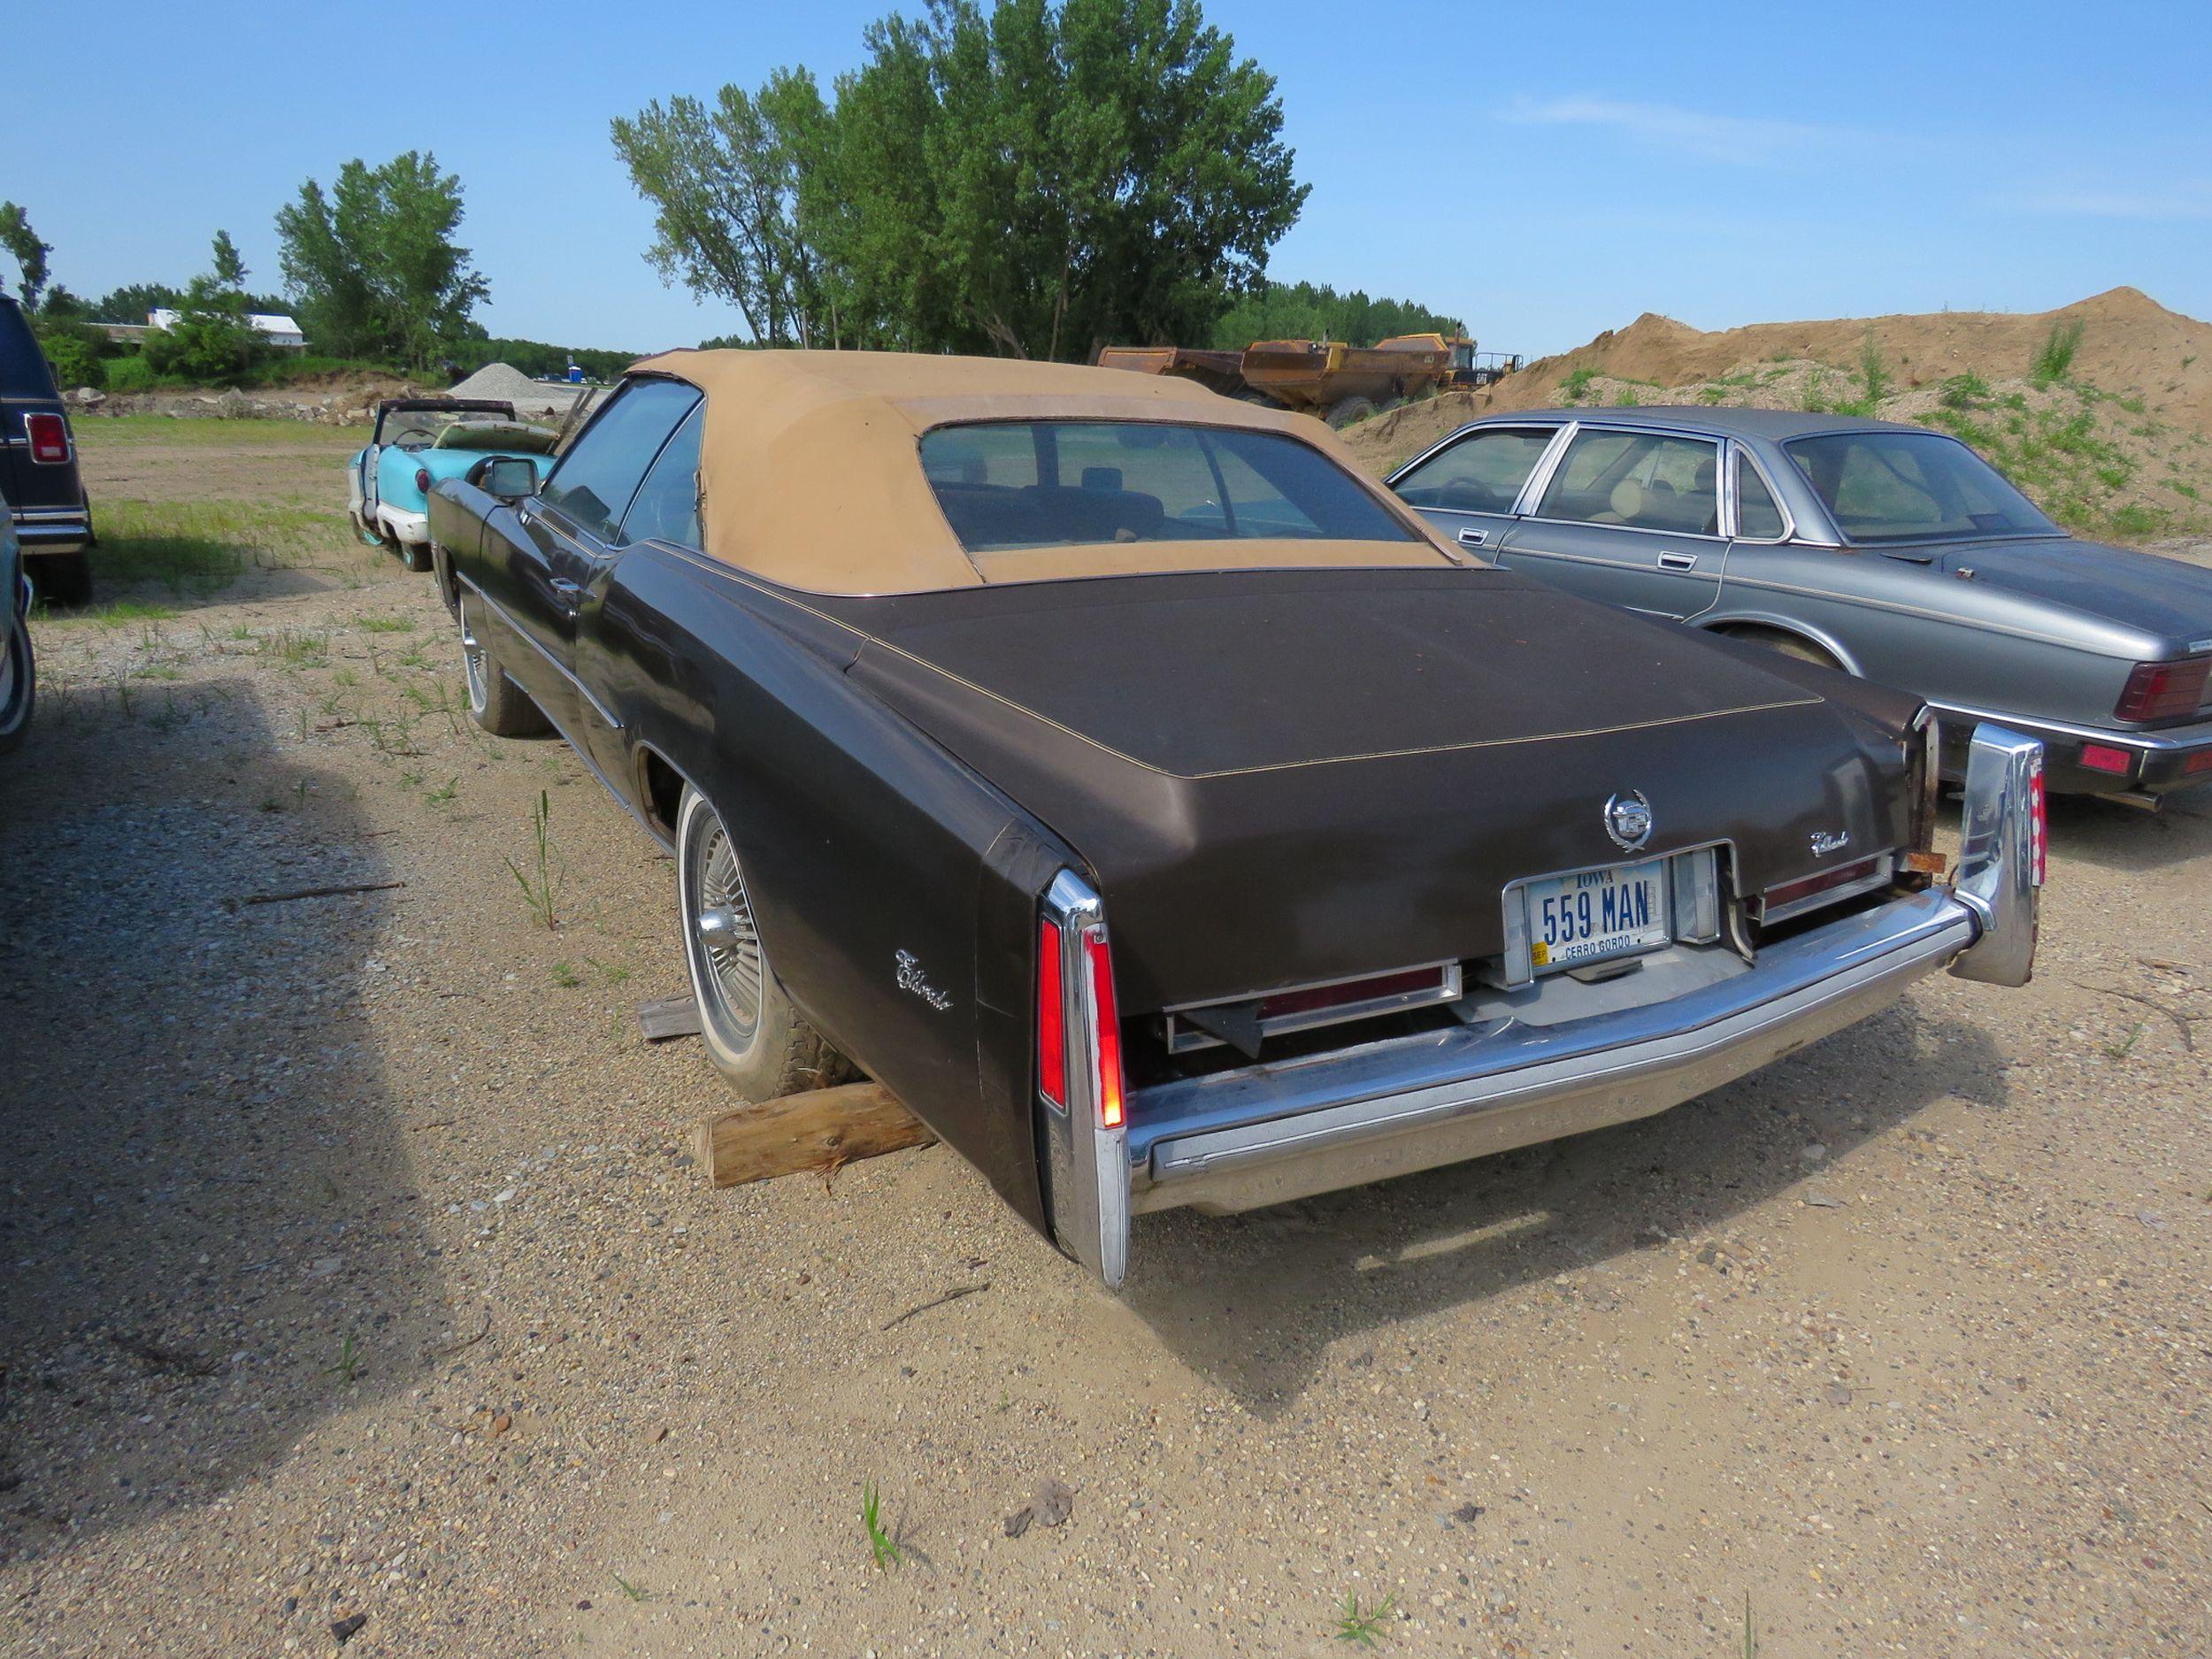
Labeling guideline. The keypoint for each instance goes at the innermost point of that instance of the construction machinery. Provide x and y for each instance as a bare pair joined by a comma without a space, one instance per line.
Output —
1338,382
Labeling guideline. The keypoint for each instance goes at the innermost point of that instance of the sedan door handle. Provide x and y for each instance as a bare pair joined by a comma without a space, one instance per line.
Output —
1678,561
570,593
1473,538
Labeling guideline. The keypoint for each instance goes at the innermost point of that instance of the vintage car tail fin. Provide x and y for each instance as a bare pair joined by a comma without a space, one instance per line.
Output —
1079,1083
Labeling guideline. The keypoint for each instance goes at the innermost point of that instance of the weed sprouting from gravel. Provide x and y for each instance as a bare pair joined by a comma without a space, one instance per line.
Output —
566,976
633,1592
347,1367
538,883
1750,1649
2121,1049
1363,1628
880,1543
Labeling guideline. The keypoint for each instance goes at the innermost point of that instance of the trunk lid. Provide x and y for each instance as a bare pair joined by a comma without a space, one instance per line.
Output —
2167,599
1283,777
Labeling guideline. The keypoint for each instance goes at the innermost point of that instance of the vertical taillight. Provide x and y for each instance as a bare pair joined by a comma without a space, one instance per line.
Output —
1107,1054
2038,821
49,435
1052,1017
1087,1010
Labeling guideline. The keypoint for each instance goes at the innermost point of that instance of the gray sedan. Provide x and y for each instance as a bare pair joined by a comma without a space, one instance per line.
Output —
1886,550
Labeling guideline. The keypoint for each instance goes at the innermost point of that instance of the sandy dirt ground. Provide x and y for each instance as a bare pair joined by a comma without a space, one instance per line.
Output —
356,1268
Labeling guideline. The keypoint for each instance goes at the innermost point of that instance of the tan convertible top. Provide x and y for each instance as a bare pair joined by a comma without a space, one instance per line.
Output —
811,474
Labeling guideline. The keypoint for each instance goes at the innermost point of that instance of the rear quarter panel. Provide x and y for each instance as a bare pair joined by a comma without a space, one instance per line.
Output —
862,840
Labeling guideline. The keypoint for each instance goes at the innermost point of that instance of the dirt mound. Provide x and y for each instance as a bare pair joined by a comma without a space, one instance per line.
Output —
2130,345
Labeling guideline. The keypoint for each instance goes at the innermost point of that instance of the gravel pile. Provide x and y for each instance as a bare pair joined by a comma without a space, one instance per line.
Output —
509,384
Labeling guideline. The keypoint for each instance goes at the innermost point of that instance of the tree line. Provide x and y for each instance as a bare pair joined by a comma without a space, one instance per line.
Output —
1038,178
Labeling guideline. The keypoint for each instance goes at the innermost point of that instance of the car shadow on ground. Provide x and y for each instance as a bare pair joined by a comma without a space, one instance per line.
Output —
2113,835
211,1233
1253,1302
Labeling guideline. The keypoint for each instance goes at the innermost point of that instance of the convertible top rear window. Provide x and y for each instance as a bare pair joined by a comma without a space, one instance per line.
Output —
1912,486
1076,483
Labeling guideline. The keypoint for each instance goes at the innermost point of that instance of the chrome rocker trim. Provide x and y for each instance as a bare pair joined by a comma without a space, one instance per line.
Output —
1272,1133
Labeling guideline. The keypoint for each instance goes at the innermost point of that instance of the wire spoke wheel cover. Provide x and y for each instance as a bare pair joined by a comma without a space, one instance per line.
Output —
472,660
729,969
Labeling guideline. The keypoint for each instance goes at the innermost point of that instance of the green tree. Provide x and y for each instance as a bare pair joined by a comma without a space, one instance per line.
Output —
29,253
1035,180
210,340
371,263
130,302
1301,310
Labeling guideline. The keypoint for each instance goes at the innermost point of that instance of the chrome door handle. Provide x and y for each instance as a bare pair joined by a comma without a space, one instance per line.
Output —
1473,538
567,592
1678,561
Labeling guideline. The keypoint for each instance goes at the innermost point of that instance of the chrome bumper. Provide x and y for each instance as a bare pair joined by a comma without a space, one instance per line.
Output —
1270,1133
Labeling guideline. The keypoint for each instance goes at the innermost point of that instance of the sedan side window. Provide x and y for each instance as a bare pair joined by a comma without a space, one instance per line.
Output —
667,505
597,478
1640,481
1757,518
1483,472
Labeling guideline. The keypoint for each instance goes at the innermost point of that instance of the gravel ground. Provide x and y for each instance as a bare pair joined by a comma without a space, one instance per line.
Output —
357,1267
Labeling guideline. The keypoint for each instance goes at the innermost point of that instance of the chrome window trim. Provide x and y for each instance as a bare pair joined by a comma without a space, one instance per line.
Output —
1474,429
1738,453
1527,506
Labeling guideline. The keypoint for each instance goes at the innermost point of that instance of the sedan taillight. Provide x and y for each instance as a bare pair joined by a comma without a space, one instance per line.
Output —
1078,1022
49,435
2165,691
422,479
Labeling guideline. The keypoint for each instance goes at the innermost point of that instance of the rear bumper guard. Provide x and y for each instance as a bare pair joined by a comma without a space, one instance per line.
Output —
1275,1132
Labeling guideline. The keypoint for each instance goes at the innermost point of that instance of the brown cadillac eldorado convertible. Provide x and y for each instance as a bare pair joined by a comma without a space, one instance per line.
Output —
1165,813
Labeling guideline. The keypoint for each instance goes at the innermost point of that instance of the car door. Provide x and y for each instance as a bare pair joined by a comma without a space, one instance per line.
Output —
1467,487
1629,516
539,569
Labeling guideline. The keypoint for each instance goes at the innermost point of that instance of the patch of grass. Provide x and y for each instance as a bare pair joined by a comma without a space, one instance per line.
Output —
613,972
884,1548
2053,359
2121,1049
538,883
114,613
297,648
385,625
1964,391
1628,399
443,795
631,1592
1572,389
566,976
1363,1628
94,431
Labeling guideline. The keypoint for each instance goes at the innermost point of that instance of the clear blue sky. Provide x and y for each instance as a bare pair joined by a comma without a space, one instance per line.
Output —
1546,171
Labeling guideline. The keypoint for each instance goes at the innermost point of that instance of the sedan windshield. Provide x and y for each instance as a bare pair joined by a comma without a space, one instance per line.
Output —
1071,483
1912,486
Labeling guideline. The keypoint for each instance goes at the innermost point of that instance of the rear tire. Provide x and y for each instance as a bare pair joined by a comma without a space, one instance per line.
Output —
415,555
499,705
755,1038
1348,410
19,684
61,578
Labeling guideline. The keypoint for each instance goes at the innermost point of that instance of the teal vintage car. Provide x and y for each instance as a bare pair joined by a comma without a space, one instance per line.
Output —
420,441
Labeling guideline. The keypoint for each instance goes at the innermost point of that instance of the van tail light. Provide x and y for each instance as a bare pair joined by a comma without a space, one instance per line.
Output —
1052,1017
2165,691
49,435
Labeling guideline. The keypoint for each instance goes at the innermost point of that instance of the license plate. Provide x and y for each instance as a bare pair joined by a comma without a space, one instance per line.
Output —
1597,914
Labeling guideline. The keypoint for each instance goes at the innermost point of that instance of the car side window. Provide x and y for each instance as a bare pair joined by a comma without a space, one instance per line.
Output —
1640,481
593,485
1757,518
1483,472
666,507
